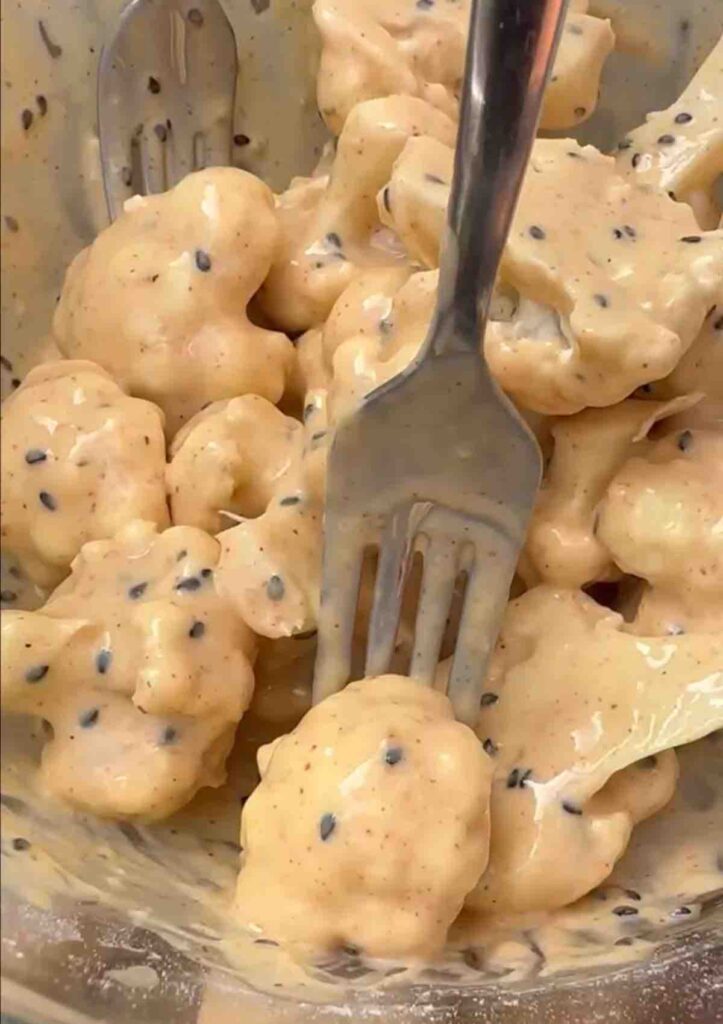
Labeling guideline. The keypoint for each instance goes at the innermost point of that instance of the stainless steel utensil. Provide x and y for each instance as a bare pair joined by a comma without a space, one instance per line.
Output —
437,459
166,85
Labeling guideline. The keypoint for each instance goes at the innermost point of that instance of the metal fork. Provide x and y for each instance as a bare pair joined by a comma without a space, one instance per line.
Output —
438,459
166,85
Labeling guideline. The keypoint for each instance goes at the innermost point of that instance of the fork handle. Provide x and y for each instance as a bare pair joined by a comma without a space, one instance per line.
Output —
510,50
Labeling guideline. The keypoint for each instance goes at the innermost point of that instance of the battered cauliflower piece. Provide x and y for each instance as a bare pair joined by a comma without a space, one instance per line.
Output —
374,48
564,794
79,459
615,281
680,149
662,516
369,827
270,566
414,202
142,670
159,299
374,331
329,227
231,458
563,544
701,368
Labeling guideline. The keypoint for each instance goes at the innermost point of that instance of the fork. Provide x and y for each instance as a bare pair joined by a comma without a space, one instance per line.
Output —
437,459
166,85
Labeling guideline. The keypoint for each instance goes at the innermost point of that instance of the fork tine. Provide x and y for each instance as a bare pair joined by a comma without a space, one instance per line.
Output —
337,614
484,603
435,599
150,156
388,592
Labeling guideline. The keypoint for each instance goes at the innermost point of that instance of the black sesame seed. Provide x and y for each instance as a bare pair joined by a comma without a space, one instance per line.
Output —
308,410
580,111
571,808
34,455
691,239
195,17
19,844
197,630
488,698
54,51
87,719
425,5
334,239
537,232
630,231
393,755
241,140
627,940
685,440
203,261
625,143
386,325
718,324
181,555
206,573
635,159
102,661
327,824
618,233
625,911
386,200
682,911
292,499
489,747
188,583
601,300
8,596
42,103
137,590
168,735
26,118
47,499
666,140
318,436
275,588
683,117
36,673
154,85
161,132
126,176
632,894
11,223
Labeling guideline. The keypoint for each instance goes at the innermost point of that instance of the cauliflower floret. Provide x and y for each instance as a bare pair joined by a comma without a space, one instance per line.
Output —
374,48
142,670
329,227
370,824
231,458
564,795
661,519
270,566
79,459
622,271
563,545
159,299
680,149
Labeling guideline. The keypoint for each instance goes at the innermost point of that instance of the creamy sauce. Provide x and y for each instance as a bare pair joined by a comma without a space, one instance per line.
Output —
378,817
